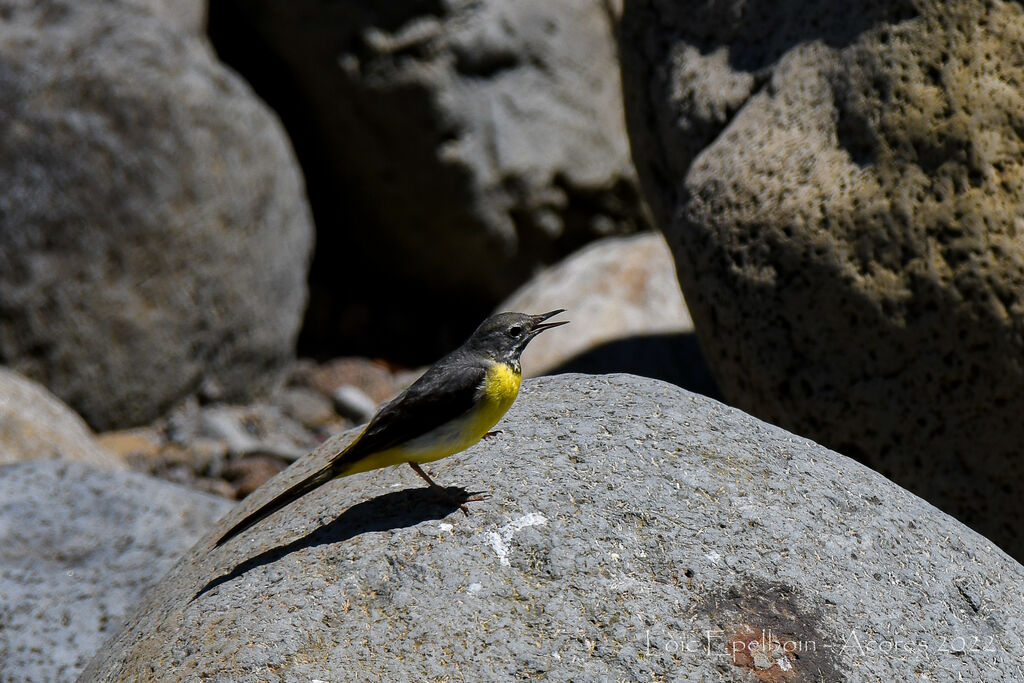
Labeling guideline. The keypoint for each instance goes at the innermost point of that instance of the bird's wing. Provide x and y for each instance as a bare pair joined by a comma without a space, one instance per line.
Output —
442,394
445,392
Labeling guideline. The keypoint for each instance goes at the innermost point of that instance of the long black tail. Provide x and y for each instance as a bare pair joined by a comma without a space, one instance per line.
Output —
294,493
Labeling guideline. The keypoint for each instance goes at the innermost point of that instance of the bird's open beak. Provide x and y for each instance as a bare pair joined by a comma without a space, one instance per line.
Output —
539,325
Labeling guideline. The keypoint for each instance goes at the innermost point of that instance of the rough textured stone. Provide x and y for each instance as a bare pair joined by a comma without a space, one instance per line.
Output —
78,547
34,424
154,234
189,15
617,287
628,519
450,147
842,193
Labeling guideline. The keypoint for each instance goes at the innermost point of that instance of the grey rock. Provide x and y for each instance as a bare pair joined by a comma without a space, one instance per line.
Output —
189,15
629,520
34,424
259,428
846,225
354,403
463,144
154,234
615,288
376,379
223,423
304,405
78,547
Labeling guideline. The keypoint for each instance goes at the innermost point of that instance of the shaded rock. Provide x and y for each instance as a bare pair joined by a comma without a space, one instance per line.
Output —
202,465
305,406
225,424
230,449
373,378
248,473
616,288
353,403
154,234
845,216
636,532
78,547
34,424
258,428
451,148
675,358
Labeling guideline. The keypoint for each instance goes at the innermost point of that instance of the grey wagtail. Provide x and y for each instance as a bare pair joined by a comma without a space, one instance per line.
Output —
451,407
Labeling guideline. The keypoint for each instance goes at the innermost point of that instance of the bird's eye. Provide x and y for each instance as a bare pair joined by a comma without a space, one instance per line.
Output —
515,331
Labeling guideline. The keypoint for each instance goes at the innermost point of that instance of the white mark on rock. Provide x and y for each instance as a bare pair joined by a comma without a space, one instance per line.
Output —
624,584
783,663
714,557
500,539
445,526
475,587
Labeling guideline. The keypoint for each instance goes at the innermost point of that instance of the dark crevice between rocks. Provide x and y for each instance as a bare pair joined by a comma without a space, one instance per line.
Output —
854,132
356,305
484,64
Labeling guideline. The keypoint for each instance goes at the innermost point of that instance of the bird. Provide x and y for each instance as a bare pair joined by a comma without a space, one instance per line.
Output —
452,406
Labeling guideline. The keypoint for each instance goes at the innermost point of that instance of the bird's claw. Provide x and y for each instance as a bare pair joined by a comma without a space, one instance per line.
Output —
465,497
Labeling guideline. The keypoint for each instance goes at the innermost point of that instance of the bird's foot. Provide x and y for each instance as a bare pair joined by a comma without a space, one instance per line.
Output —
467,497
457,496
460,499
492,433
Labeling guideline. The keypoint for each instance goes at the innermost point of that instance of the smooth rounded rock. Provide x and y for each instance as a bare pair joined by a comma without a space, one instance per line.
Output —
34,424
635,531
154,233
79,546
612,289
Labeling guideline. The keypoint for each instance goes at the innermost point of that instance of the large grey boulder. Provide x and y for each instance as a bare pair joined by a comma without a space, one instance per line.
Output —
635,532
34,424
79,546
841,190
154,234
451,148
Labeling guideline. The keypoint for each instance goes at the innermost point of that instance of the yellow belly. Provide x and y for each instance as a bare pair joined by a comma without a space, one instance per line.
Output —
501,386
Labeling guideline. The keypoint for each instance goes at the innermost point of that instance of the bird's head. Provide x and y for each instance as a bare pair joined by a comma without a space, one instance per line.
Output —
503,337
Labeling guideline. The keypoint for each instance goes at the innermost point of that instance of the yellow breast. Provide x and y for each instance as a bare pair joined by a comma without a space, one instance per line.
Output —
501,386
499,391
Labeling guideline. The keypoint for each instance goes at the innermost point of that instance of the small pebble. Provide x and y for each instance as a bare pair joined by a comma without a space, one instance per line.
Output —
353,403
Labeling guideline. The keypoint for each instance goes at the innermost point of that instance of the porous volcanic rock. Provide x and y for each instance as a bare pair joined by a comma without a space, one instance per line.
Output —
842,194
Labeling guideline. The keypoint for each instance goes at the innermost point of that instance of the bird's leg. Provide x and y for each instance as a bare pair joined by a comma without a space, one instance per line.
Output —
443,492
